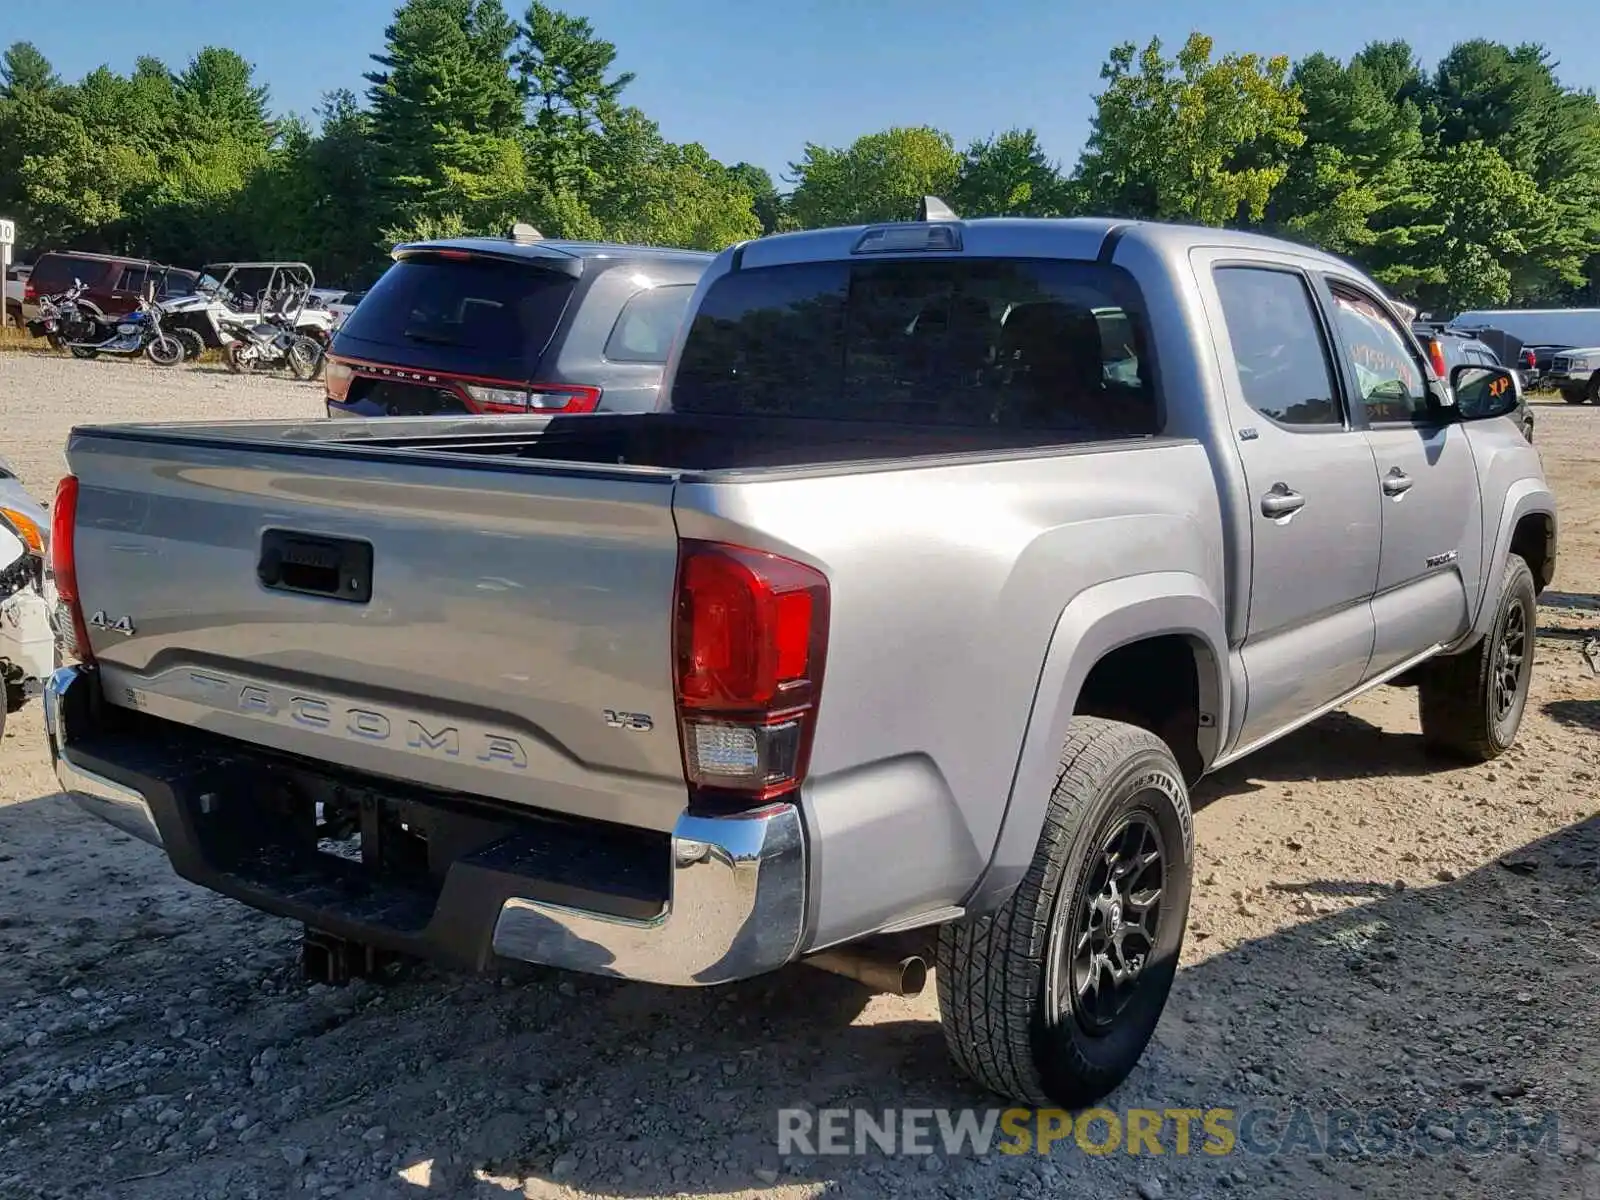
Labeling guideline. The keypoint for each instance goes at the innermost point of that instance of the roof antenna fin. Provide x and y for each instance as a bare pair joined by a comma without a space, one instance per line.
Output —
931,208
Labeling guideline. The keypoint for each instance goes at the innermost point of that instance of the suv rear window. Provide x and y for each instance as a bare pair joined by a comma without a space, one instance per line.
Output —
55,272
500,314
1031,344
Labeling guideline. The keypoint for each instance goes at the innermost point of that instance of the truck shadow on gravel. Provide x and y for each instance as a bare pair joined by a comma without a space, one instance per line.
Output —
1340,745
158,1042
1582,714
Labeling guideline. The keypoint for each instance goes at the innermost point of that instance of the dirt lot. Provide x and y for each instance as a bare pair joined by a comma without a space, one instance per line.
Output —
1371,932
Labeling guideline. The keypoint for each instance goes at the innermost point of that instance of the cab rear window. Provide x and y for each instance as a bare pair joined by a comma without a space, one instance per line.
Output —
1031,344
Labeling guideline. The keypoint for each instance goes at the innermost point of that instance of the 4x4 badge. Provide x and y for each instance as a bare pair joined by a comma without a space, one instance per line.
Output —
122,625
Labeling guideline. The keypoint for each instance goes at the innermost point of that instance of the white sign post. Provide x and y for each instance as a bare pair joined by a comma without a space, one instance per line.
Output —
8,234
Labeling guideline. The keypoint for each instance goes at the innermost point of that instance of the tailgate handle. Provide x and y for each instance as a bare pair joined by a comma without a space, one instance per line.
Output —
338,568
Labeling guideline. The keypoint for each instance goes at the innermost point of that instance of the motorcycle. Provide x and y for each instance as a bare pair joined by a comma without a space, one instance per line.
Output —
27,596
139,332
66,318
266,345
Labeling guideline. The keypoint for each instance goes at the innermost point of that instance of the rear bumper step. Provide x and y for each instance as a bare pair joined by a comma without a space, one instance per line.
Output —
448,879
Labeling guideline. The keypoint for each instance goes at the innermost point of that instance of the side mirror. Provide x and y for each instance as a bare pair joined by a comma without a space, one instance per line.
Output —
1483,393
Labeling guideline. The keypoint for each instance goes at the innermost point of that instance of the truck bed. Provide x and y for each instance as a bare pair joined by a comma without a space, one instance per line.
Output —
683,443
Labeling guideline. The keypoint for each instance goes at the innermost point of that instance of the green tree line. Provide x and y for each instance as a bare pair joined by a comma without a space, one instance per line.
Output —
1475,183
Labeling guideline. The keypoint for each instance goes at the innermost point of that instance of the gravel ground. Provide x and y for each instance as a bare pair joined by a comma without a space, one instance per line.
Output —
1369,932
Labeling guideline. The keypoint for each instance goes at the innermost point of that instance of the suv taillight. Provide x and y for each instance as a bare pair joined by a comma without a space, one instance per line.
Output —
532,397
1436,353
30,290
336,377
750,642
72,632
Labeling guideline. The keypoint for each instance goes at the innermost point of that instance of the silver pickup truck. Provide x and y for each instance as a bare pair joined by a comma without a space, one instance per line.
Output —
956,552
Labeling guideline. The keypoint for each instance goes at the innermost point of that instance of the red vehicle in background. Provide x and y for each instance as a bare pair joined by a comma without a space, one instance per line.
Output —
113,283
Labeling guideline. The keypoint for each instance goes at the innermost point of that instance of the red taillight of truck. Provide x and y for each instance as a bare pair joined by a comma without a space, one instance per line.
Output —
72,631
750,643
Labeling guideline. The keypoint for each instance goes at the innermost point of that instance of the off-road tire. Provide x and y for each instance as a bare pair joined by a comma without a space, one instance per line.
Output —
1573,395
1459,697
193,344
239,366
1594,388
995,971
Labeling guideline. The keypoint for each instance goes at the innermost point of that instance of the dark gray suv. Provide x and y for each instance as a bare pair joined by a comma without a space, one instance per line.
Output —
1447,348
517,324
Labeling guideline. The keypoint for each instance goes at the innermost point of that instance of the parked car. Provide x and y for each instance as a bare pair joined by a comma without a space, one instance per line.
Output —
15,285
344,306
1448,348
900,626
112,283
482,325
1576,373
1542,358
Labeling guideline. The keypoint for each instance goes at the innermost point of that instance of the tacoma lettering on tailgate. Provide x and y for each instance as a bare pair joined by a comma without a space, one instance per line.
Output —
361,722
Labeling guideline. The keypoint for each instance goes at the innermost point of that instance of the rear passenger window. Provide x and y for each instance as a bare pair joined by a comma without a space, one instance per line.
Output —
133,280
647,323
1388,374
1012,343
1278,346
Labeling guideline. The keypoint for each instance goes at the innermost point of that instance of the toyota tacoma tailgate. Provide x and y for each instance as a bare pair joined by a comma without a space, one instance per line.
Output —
498,627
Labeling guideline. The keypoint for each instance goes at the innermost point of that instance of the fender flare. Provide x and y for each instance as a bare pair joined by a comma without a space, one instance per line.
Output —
1523,498
1095,622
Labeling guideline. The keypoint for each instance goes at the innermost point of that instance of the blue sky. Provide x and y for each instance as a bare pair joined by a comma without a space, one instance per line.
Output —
757,80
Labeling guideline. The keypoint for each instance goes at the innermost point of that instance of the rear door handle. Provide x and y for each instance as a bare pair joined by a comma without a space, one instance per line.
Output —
1281,501
1396,482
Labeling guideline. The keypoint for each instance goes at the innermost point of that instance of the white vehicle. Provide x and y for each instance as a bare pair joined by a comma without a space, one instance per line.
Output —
344,306
243,293
1576,372
27,595
1537,326
16,284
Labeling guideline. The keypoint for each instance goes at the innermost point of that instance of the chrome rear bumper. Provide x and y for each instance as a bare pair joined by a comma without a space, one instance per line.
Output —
735,908
113,803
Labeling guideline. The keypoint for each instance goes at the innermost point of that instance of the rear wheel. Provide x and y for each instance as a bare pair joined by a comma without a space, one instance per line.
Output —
1052,998
1572,395
193,344
238,362
1594,388
1471,704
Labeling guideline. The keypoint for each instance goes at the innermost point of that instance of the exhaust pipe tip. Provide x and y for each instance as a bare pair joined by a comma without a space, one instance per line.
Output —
905,975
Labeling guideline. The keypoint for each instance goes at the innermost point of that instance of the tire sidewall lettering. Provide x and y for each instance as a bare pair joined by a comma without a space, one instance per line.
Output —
1167,785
